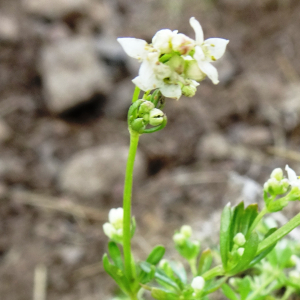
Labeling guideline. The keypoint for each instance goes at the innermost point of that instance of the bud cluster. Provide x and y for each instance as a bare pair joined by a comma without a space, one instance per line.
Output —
186,247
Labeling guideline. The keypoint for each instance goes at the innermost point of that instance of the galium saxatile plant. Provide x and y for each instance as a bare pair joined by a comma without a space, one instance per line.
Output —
173,65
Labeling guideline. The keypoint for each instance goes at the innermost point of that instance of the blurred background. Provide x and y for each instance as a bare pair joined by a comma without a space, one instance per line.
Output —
65,87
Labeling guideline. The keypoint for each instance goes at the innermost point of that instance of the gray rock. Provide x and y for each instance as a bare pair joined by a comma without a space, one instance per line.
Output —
72,73
55,8
97,171
213,146
290,106
9,28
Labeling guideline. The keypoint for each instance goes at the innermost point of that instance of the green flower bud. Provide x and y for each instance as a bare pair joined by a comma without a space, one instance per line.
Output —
138,124
192,70
198,283
275,187
294,194
277,174
186,230
146,107
240,251
239,239
179,239
176,63
189,90
156,117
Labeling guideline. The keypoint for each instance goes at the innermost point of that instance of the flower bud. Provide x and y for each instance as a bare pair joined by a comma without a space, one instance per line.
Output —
186,230
176,63
145,107
156,117
193,71
109,230
240,251
182,43
179,239
189,90
198,283
115,217
138,124
239,239
277,174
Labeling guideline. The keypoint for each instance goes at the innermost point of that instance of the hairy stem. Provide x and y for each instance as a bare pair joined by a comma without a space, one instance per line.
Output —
134,139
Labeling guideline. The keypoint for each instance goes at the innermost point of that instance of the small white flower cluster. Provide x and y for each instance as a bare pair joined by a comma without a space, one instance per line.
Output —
114,228
173,62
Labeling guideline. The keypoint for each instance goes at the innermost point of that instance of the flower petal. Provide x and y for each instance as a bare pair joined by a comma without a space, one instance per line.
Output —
161,40
291,174
198,30
171,90
182,43
216,47
135,48
205,66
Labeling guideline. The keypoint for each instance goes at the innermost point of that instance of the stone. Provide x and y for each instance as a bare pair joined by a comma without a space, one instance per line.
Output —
9,28
55,8
98,171
72,73
213,146
250,135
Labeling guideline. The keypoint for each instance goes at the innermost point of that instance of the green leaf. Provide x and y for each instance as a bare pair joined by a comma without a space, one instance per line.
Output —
225,234
163,295
245,287
251,246
156,255
228,292
159,274
263,254
179,270
115,255
249,216
213,285
117,274
145,277
205,261
237,217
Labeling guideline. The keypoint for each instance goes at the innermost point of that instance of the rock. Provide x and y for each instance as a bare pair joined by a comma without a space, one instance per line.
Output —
98,171
119,100
55,8
290,106
72,73
213,146
5,131
254,135
9,28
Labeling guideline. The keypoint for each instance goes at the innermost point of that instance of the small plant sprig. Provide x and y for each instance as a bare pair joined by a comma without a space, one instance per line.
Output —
172,66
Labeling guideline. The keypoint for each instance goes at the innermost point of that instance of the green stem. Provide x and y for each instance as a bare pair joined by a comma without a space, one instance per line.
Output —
192,263
134,139
261,288
288,292
279,234
256,221
214,272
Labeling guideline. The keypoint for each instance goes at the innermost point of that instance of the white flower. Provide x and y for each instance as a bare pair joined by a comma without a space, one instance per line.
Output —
182,43
207,51
198,283
162,40
115,217
292,177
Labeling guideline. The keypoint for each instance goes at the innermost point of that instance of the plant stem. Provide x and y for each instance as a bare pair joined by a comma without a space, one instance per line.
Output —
192,263
256,221
134,139
214,272
288,292
262,287
279,234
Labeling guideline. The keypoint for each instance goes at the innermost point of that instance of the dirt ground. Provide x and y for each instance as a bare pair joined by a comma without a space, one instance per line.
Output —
219,146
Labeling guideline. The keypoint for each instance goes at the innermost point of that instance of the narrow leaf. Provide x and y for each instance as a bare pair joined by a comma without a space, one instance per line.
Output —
115,255
225,234
156,255
205,261
228,292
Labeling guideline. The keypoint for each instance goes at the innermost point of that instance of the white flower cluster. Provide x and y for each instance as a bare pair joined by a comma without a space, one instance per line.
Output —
173,62
114,228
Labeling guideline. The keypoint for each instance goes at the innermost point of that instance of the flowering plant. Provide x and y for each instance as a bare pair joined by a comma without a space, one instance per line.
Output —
172,66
